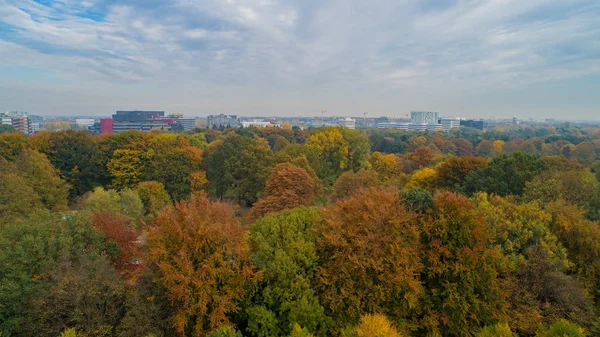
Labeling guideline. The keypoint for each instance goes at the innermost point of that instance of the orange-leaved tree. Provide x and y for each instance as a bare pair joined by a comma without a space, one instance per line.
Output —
288,187
202,255
369,248
122,240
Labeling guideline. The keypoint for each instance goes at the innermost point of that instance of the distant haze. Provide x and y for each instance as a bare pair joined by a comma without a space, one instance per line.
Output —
472,58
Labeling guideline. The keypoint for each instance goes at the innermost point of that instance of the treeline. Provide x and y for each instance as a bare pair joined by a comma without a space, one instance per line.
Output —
290,232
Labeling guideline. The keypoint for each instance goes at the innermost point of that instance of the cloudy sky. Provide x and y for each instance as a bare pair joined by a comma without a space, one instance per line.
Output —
474,58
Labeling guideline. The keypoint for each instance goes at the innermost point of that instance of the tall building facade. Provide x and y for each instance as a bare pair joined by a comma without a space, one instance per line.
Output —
221,120
424,117
20,121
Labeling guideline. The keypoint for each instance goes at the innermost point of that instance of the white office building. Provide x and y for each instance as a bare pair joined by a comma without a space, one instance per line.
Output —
449,123
348,122
424,117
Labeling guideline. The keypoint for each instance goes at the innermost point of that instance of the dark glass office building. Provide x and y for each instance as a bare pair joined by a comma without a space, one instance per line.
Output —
472,124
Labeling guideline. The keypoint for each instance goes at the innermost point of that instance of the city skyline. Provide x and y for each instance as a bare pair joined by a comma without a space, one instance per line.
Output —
478,59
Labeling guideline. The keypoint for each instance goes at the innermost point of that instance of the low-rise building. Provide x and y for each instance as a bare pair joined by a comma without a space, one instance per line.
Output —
476,124
449,123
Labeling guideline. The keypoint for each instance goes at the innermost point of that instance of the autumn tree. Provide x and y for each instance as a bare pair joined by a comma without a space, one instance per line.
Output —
538,289
463,147
288,187
369,248
17,198
585,153
121,240
425,178
452,172
388,166
576,187
485,148
350,183
422,156
212,271
505,174
11,144
460,269
284,249
43,178
153,196
373,325
126,168
581,237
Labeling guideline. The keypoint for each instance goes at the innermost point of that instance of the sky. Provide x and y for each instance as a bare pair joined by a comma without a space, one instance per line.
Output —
473,58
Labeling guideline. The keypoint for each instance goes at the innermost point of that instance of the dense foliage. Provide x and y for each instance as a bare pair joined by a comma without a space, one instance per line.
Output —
290,232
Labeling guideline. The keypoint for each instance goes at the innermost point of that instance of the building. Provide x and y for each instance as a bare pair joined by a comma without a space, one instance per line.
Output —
187,124
35,128
137,120
399,126
472,124
449,123
85,122
258,123
222,121
424,117
20,121
424,127
106,125
347,122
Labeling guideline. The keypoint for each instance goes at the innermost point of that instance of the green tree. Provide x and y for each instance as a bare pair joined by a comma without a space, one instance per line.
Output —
561,328
283,248
171,160
359,149
6,128
88,296
79,159
496,330
153,195
505,174
29,253
460,269
226,331
126,202
238,166
418,199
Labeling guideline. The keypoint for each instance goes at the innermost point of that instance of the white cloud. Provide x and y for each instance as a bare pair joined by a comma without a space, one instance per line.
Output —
292,47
